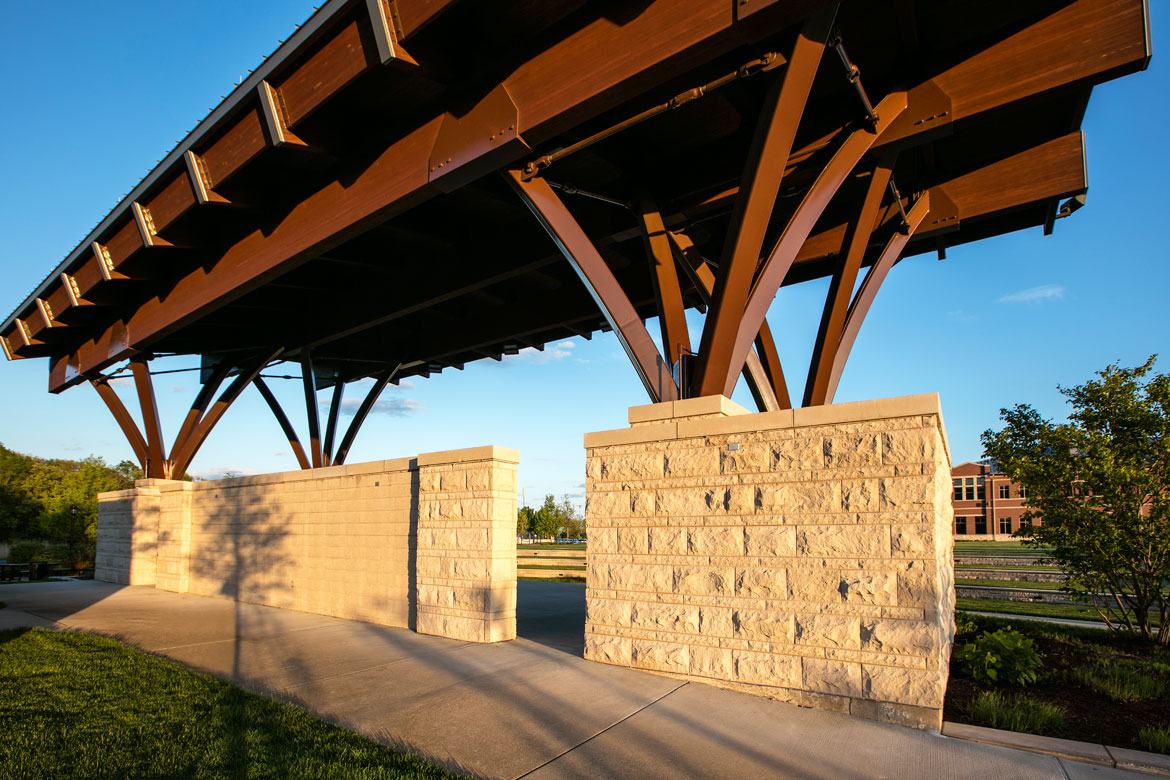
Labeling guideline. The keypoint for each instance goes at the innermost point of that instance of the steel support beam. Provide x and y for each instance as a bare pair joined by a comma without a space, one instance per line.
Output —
282,418
199,407
363,411
869,287
156,465
181,458
767,158
841,287
602,285
724,364
331,424
123,418
309,380
672,318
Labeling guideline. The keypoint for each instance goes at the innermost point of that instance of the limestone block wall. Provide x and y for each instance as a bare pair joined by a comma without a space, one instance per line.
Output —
127,536
467,548
803,555
388,542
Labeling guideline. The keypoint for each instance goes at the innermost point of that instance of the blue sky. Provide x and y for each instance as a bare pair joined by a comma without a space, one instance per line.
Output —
96,93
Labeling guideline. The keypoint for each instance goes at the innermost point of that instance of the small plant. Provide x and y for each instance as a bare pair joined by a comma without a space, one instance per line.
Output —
965,623
1119,679
1003,656
1015,713
1155,738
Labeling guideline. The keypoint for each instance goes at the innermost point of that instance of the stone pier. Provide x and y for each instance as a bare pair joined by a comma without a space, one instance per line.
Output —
802,555
427,543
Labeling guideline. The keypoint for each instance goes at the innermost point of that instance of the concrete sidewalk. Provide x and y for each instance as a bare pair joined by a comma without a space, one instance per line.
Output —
530,708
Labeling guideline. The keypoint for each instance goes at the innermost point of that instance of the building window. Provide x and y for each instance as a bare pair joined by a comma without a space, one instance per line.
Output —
1025,522
1023,492
981,524
1005,525
1005,491
958,489
979,494
970,488
961,525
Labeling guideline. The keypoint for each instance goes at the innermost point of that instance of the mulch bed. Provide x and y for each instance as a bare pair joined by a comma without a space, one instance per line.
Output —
1089,716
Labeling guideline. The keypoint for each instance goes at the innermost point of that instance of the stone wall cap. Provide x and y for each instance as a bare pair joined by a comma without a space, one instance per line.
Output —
489,452
731,421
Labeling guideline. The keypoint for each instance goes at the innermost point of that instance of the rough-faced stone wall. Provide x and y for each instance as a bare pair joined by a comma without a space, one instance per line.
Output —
387,542
802,555
467,548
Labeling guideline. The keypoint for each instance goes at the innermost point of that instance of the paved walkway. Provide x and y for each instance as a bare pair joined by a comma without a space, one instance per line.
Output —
530,708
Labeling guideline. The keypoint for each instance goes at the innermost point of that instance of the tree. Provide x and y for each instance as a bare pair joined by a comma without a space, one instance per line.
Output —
572,524
1101,483
548,518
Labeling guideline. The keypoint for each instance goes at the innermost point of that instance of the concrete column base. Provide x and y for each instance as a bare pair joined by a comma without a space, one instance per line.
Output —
803,555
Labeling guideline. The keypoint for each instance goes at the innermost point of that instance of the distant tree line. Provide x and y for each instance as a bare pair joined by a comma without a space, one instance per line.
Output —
48,507
553,520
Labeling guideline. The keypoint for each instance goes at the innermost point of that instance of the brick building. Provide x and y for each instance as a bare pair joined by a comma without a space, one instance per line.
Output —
987,505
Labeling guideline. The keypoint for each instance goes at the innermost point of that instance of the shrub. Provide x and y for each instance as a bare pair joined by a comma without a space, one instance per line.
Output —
964,623
1015,713
1155,738
1119,680
27,550
1003,656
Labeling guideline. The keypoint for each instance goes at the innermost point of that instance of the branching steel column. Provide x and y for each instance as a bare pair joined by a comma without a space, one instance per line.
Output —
155,466
198,408
796,232
841,287
363,411
123,418
767,386
309,380
869,287
602,285
766,161
281,418
331,424
183,457
671,311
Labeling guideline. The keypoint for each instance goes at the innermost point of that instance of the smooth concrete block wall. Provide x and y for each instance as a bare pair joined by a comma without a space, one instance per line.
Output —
802,555
393,542
127,536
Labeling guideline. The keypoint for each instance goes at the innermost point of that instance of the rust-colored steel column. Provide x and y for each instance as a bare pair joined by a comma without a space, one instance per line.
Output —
869,287
671,311
183,457
198,408
796,232
841,287
363,411
156,457
767,158
123,418
281,418
770,394
309,380
602,285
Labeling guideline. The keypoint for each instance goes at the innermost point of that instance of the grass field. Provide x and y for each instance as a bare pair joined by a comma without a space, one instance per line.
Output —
522,566
1070,611
997,549
1010,584
82,706
552,546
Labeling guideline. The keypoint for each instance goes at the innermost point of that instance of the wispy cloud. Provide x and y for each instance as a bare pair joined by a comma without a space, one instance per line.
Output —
551,353
178,388
1044,292
391,407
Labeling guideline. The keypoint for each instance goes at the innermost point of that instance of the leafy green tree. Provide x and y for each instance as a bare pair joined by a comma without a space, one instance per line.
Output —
548,518
1101,484
572,523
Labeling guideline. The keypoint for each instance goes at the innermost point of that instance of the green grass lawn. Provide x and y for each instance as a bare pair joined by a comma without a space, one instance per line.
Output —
1010,584
552,546
81,706
996,549
550,566
1025,566
1071,611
